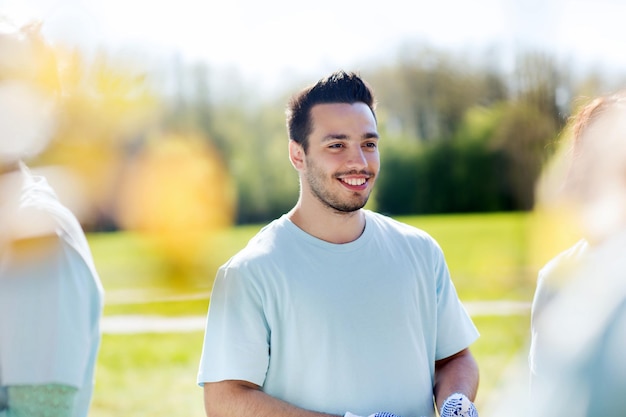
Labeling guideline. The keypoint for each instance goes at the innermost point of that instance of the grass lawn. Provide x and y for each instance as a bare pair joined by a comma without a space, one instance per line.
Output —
154,374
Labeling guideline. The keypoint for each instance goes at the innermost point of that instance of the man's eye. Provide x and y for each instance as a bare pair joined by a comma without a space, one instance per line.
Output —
336,145
371,145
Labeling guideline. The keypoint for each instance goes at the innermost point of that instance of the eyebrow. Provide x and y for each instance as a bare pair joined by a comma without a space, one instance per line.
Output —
341,136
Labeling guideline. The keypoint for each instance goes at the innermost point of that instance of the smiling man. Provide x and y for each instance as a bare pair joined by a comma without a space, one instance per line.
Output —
333,309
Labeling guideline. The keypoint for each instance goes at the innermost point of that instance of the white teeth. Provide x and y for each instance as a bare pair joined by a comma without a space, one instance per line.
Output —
354,181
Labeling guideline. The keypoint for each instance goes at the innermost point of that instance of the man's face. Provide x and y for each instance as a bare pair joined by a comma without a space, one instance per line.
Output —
342,160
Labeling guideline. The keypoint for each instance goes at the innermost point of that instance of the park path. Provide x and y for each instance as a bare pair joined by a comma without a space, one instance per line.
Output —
124,324
135,323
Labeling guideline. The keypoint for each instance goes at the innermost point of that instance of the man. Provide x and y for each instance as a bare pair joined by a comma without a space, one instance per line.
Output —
333,309
50,293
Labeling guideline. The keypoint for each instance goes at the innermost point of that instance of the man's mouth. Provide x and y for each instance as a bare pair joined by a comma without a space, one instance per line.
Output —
354,181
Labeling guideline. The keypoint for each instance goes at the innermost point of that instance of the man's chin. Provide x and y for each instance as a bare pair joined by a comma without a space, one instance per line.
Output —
350,208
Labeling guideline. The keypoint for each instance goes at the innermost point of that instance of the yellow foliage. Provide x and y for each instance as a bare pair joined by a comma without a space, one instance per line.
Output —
177,192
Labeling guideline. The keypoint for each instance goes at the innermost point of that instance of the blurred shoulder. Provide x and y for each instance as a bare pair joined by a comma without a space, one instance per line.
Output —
564,263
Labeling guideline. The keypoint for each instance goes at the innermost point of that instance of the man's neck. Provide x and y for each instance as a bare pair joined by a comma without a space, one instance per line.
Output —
328,224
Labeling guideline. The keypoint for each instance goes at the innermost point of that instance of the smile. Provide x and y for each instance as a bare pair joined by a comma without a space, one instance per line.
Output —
354,181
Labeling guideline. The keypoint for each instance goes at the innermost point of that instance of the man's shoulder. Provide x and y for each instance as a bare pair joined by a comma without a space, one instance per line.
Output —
390,225
264,244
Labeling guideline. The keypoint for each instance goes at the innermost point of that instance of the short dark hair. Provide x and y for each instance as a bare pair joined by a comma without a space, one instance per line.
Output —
339,87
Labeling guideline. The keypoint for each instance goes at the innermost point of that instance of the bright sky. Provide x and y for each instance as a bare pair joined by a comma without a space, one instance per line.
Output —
270,38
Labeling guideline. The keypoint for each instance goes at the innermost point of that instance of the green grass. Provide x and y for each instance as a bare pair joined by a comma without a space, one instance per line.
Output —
502,340
164,308
148,375
488,255
154,374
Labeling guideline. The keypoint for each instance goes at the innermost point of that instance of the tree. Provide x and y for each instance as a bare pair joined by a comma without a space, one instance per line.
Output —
429,91
523,137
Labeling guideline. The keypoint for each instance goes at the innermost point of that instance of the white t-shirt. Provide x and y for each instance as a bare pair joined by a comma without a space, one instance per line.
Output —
336,327
49,308
579,365
552,278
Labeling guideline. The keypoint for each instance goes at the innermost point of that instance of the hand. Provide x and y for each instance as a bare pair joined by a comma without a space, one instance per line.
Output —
459,405
383,414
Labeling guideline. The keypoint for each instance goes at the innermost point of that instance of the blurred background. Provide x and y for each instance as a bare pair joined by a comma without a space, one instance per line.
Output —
171,148
471,96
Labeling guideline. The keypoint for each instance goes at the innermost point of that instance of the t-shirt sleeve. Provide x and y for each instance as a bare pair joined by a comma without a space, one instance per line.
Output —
455,329
236,344
45,314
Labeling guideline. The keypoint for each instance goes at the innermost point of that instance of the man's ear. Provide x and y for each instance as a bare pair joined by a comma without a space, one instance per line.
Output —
296,155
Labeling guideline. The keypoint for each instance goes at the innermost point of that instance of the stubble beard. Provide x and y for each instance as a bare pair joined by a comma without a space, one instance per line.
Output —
315,179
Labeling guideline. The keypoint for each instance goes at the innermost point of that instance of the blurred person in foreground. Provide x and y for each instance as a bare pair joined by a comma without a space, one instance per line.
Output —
579,308
333,309
50,293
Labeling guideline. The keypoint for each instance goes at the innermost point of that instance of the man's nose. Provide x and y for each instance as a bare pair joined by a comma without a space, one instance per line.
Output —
357,159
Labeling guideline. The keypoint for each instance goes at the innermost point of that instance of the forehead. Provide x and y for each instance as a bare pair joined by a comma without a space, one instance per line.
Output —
342,116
